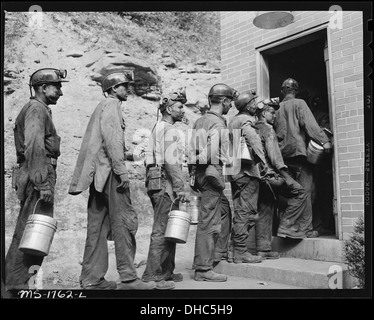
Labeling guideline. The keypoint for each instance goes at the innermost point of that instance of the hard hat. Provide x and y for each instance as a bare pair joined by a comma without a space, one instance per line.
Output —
178,95
221,89
290,84
266,103
114,78
47,75
244,98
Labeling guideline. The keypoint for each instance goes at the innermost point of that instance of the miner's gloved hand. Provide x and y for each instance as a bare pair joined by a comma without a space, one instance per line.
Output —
125,183
46,195
327,147
183,196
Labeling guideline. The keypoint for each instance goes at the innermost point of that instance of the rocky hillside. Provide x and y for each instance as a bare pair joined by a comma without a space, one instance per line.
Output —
183,49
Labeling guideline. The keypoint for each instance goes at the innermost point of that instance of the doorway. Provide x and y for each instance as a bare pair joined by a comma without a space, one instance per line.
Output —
305,59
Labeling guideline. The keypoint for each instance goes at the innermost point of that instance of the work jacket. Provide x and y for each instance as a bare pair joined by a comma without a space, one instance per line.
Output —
269,141
103,148
245,123
295,125
209,142
166,148
36,142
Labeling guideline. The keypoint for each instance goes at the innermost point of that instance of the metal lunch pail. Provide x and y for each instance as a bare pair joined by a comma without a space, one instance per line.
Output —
194,208
314,152
243,152
38,234
178,226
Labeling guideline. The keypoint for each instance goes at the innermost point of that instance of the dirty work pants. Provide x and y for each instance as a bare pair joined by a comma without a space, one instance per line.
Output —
302,172
222,245
295,199
161,253
209,224
20,267
109,212
245,191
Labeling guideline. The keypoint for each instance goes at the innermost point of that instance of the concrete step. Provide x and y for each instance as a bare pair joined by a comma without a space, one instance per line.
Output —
326,248
320,249
303,273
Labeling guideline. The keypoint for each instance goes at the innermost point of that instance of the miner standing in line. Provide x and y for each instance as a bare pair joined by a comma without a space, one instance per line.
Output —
246,178
37,147
111,215
295,125
208,151
165,187
280,183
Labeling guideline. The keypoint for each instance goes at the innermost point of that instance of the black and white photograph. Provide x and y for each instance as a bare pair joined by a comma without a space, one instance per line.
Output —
186,150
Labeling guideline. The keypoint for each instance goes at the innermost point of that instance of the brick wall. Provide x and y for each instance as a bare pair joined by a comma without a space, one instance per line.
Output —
239,40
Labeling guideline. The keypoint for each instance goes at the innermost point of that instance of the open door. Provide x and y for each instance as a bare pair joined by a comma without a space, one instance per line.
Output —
306,59
331,117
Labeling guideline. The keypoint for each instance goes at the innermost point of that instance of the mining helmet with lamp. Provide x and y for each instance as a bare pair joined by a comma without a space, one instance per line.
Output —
290,84
265,104
223,90
178,95
244,98
47,75
115,78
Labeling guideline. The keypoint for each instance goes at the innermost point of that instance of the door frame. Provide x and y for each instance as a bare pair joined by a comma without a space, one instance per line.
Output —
263,90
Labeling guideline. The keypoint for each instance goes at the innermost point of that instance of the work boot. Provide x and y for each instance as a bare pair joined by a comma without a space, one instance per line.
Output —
136,284
292,235
246,258
165,285
176,277
312,234
103,285
268,254
209,275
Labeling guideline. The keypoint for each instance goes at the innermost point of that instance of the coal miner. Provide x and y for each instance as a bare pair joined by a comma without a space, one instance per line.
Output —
165,187
280,183
37,148
295,125
245,181
207,153
111,215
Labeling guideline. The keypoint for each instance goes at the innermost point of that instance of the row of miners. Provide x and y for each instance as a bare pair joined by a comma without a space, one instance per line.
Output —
275,167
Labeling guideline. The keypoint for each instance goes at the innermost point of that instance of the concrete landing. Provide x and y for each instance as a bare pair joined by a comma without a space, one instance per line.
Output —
320,249
303,273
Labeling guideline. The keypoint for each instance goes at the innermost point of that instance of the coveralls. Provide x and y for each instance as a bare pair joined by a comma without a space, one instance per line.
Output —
295,194
295,125
166,149
37,147
111,215
208,148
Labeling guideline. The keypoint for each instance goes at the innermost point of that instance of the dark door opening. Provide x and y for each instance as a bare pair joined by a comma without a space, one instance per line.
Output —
304,63
304,60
